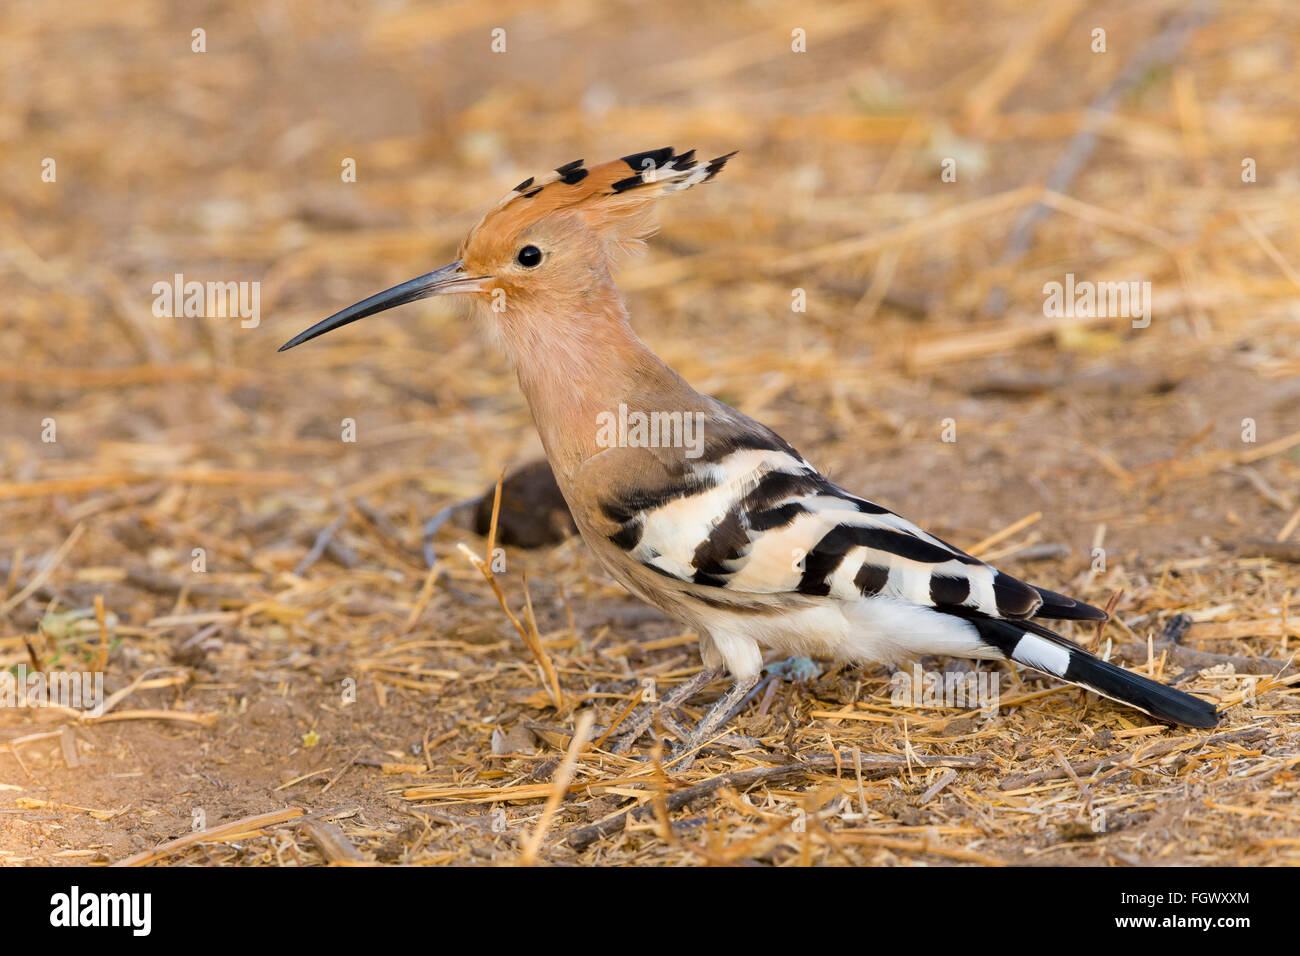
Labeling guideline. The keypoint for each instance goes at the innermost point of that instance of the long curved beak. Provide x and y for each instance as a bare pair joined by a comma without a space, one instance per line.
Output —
451,278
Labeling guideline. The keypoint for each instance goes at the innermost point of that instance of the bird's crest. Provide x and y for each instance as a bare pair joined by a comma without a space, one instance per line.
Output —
614,198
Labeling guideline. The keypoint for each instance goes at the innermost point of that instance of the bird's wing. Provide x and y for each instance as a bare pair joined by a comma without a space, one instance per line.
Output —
750,515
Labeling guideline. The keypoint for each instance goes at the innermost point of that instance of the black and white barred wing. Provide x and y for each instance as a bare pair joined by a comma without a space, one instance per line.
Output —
762,520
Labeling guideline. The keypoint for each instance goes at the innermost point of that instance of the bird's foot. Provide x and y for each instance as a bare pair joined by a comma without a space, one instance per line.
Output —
640,722
726,742
799,669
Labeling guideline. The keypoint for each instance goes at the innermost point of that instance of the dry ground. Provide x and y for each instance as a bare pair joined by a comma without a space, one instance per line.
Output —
177,434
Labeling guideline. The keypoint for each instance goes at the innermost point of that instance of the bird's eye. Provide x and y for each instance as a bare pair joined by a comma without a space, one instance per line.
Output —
529,256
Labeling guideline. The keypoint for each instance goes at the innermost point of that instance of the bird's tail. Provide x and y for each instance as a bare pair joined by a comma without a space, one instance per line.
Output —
1035,646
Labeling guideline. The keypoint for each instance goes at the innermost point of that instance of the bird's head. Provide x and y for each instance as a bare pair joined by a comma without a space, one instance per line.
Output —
546,248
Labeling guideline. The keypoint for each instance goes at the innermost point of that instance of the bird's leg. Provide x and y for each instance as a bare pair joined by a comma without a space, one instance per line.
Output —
798,670
671,725
641,721
730,741
718,714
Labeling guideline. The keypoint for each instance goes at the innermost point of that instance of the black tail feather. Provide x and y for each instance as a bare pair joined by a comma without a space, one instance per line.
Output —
1156,699
1059,607
1035,646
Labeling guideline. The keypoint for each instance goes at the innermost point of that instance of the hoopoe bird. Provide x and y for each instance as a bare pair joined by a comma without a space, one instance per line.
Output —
734,534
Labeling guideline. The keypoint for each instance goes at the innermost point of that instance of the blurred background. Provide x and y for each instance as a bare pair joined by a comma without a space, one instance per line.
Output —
1161,150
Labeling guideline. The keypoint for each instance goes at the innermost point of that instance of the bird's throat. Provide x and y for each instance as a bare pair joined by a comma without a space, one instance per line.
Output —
582,366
